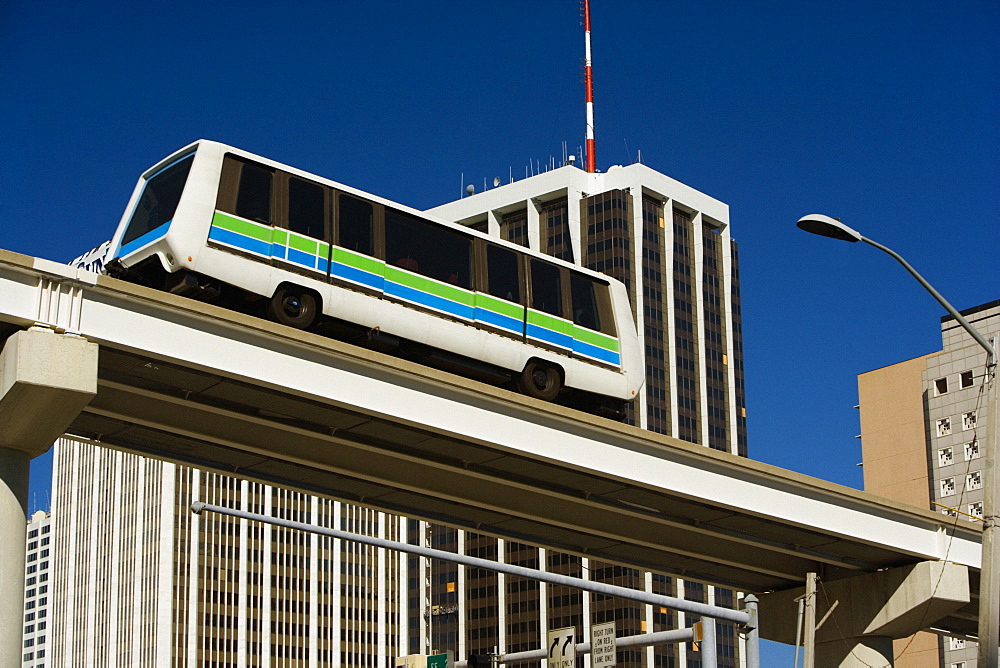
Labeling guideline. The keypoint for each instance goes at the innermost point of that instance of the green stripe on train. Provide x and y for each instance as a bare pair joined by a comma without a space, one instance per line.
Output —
428,285
501,306
244,227
358,261
595,338
547,321
300,243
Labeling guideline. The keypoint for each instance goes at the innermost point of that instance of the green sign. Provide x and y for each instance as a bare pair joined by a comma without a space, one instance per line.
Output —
438,661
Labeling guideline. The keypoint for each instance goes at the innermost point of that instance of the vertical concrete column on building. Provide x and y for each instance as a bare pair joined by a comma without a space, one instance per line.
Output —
194,533
381,609
636,230
502,599
577,233
45,381
670,309
460,590
534,209
493,218
543,603
314,579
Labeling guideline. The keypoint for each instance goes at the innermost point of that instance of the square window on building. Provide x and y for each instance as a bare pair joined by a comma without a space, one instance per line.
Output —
956,643
940,386
966,380
949,512
972,450
944,427
976,509
974,481
968,420
946,457
946,486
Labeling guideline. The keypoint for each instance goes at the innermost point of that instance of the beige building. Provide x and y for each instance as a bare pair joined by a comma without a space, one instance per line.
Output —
922,422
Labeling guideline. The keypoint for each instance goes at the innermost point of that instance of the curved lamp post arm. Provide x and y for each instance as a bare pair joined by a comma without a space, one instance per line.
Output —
826,226
991,359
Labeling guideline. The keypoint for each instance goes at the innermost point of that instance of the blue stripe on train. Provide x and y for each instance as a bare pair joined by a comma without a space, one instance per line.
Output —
596,352
429,300
145,239
499,320
301,258
549,336
340,270
240,241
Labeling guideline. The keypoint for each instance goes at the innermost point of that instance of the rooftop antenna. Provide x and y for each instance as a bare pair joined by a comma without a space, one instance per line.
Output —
589,79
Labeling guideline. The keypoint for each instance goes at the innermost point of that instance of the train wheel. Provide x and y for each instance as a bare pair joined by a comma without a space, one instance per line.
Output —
540,380
293,306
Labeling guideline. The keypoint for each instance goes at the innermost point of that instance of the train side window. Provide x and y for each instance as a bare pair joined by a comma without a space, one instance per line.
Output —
502,280
253,197
427,249
306,208
585,310
356,221
546,288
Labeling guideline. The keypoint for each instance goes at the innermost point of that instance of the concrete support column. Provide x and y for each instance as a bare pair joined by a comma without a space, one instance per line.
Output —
858,617
857,652
45,381
13,513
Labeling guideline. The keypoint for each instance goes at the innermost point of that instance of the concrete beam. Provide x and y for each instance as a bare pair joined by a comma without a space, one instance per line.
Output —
861,615
45,381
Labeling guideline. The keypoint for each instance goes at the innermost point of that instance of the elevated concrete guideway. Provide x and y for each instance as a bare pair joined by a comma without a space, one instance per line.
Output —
200,385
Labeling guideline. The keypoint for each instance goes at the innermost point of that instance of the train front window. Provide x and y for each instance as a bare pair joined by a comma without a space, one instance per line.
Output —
159,199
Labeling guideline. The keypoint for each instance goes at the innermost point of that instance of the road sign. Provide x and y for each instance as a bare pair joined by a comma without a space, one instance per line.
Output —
602,645
438,661
561,644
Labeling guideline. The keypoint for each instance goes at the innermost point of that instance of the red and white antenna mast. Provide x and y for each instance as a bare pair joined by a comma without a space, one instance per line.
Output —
589,78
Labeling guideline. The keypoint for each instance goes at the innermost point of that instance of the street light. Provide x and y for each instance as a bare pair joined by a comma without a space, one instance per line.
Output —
989,600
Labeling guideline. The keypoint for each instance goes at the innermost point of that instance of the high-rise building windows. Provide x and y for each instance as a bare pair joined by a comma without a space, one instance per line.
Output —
514,227
553,221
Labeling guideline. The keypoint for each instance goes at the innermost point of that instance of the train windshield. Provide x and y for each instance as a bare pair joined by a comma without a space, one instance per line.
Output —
159,200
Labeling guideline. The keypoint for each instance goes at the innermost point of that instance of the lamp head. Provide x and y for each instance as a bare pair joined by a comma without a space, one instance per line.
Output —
825,226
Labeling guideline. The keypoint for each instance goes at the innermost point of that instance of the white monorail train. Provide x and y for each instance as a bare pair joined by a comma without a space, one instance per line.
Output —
218,223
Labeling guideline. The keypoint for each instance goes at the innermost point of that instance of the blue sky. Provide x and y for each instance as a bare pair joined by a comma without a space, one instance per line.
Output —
882,113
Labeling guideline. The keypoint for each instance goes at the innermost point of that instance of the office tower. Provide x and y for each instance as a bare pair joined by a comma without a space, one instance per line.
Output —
139,580
37,597
671,247
923,422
